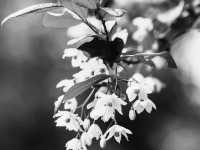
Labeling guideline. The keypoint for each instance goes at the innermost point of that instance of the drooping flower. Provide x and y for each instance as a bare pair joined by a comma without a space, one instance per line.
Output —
68,120
65,84
73,144
139,106
106,105
94,131
102,141
71,105
139,86
85,139
117,131
92,67
86,124
78,57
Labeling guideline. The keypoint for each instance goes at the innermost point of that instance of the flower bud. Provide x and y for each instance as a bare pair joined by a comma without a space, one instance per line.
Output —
102,142
86,124
132,114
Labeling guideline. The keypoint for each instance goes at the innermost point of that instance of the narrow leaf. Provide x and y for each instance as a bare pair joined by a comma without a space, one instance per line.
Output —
31,9
172,14
143,57
113,11
81,87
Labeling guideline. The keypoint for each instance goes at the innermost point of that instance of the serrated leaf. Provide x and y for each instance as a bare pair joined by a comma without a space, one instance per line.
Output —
81,87
31,9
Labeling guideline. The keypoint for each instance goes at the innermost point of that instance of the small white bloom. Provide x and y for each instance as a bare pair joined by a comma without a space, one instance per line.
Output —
139,106
106,105
78,57
132,114
94,132
148,105
68,120
86,124
117,131
65,84
73,144
139,86
71,105
102,141
90,68
85,139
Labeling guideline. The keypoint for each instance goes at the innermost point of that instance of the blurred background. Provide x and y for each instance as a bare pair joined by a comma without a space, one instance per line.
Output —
31,66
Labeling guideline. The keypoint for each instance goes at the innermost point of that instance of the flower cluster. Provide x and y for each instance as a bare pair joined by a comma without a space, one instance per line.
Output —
98,56
100,49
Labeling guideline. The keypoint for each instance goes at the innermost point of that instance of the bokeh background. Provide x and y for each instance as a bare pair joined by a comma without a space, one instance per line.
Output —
31,66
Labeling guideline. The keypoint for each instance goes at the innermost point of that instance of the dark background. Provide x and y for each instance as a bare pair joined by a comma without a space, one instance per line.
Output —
31,66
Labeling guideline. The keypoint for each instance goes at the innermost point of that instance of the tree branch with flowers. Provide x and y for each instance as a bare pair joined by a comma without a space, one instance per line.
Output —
103,55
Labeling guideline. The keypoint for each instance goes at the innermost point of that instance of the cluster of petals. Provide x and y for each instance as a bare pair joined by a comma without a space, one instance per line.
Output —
105,106
117,131
69,120
138,88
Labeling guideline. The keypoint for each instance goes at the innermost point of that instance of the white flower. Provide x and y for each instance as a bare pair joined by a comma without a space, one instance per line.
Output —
117,131
139,86
69,120
73,144
139,106
92,67
65,84
85,139
94,132
78,57
71,105
105,106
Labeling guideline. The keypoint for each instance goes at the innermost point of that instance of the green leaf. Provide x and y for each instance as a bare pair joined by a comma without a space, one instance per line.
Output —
32,9
81,87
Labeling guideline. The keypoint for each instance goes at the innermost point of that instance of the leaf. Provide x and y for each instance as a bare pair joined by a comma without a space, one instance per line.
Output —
112,12
31,9
90,4
80,40
81,87
171,15
145,57
56,20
